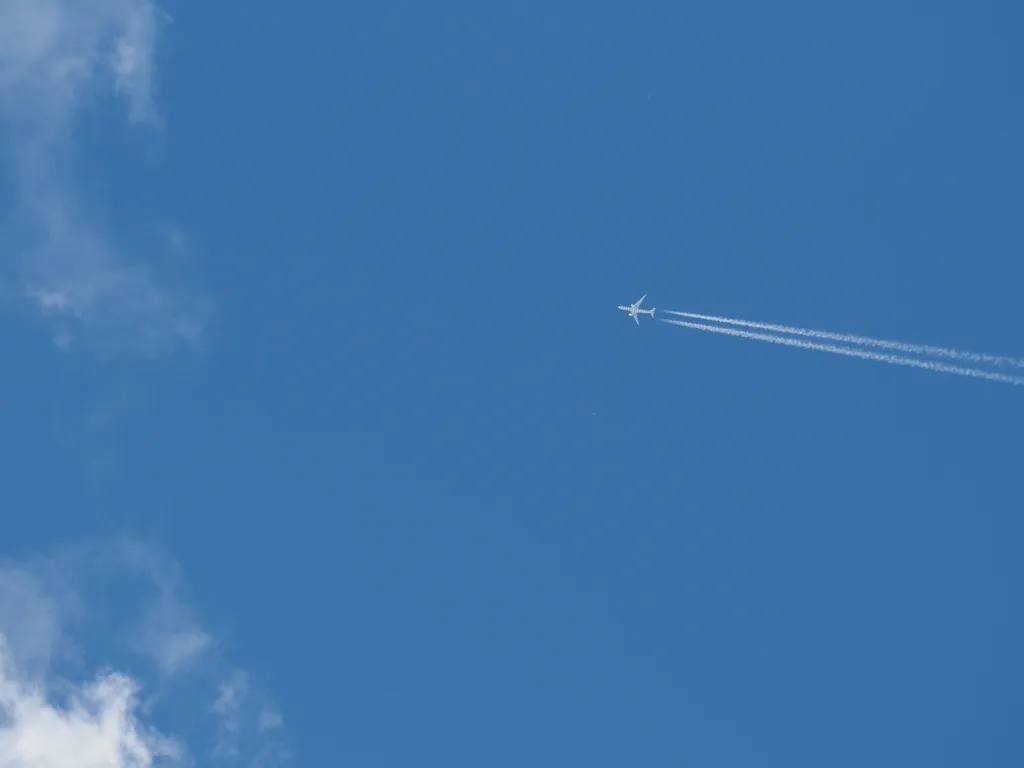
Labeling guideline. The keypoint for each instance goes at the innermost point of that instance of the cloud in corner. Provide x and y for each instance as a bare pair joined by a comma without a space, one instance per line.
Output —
116,608
56,58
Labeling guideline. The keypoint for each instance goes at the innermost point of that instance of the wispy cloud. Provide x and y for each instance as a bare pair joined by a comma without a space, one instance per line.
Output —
117,609
175,650
57,60
246,720
31,607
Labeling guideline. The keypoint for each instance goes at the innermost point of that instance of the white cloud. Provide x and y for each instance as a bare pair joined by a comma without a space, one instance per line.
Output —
95,728
228,706
167,632
57,58
30,612
269,720
246,717
108,607
133,63
177,650
55,53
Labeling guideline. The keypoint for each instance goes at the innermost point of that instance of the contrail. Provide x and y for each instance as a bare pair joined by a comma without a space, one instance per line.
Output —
862,353
916,349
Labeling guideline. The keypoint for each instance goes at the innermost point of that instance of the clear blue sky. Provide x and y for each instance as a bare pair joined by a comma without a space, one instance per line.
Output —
446,503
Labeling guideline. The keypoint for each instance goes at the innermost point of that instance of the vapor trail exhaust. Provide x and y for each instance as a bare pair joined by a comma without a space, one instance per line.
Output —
866,341
850,352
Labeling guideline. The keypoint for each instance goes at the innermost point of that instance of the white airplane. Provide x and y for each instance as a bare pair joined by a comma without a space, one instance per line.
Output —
634,309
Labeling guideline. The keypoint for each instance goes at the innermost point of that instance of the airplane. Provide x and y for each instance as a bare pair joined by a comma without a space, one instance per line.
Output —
634,310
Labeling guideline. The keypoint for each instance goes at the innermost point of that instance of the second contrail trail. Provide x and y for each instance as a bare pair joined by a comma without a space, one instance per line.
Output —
867,341
850,352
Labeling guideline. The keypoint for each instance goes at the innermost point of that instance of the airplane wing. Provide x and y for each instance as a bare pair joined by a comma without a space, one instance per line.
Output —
637,318
640,300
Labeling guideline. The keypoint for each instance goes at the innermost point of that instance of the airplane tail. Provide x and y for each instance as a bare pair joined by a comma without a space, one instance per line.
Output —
652,312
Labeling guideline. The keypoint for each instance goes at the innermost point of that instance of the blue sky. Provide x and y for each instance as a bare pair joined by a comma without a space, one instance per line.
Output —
327,445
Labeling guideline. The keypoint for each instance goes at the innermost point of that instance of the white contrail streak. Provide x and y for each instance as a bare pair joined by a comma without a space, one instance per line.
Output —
867,341
862,353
